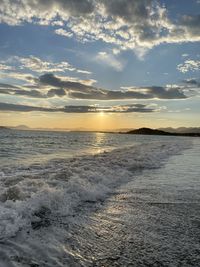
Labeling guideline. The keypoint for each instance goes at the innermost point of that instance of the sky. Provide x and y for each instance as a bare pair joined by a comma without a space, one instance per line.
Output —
99,64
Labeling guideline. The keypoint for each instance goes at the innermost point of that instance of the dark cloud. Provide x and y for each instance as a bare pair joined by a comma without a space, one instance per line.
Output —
150,23
143,20
191,24
163,93
81,109
31,93
109,95
7,86
21,108
43,9
22,92
56,92
113,109
79,90
52,80
126,8
192,82
73,7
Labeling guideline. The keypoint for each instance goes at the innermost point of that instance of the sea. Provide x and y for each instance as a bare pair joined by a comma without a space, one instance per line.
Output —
98,199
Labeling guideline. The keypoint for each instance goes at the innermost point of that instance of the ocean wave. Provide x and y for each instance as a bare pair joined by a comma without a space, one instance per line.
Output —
48,194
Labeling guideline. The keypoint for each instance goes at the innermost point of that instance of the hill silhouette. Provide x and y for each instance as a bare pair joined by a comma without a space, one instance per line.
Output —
149,131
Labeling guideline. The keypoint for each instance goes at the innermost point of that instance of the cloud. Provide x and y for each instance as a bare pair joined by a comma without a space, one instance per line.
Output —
9,89
84,72
142,108
53,80
7,86
109,60
21,92
138,25
22,108
191,24
5,67
192,82
17,12
18,76
82,91
185,55
189,65
63,32
38,65
50,85
191,87
57,23
56,92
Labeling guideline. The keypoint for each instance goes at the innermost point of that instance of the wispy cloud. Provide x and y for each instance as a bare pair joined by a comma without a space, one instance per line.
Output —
38,65
185,55
109,60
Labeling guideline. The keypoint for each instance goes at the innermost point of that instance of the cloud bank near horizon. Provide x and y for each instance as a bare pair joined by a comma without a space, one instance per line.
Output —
139,108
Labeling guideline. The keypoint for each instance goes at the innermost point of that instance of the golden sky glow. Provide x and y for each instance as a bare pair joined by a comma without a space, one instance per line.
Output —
99,121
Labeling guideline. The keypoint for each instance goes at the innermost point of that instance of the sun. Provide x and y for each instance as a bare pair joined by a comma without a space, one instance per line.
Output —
101,113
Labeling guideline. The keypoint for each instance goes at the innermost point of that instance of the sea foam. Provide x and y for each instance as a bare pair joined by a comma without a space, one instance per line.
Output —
43,195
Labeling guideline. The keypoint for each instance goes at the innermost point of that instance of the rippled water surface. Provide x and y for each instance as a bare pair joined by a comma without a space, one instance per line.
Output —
34,146
94,199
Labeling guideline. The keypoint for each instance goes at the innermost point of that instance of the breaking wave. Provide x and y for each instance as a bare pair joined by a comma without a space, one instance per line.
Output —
48,194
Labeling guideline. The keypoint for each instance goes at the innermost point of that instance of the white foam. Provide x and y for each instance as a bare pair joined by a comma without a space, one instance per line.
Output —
60,186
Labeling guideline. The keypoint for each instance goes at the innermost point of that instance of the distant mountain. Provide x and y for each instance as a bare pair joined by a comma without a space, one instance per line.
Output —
148,131
188,131
21,127
181,129
4,128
